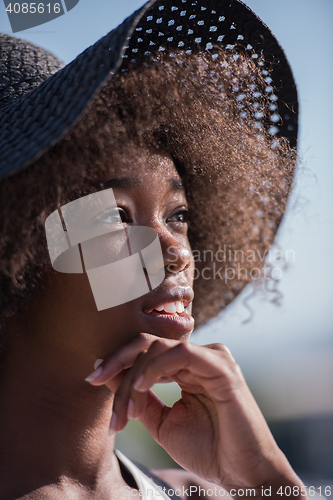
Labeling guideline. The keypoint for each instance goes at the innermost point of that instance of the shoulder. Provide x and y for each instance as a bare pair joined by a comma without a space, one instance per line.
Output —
187,485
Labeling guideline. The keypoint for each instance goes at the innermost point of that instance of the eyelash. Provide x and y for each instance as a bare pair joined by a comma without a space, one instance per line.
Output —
126,219
123,215
111,212
183,212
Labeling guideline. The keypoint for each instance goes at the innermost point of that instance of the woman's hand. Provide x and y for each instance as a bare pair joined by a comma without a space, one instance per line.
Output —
215,430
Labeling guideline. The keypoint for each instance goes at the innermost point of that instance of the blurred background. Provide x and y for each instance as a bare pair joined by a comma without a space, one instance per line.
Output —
286,350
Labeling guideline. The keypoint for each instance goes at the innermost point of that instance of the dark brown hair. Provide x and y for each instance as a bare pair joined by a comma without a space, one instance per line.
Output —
211,115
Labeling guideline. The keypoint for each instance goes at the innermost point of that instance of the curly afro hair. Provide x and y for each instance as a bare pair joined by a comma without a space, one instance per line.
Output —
211,116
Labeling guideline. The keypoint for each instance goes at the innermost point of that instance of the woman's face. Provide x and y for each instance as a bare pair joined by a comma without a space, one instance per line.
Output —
149,192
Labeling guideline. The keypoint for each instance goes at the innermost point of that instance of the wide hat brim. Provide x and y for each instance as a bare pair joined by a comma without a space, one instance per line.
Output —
35,116
30,124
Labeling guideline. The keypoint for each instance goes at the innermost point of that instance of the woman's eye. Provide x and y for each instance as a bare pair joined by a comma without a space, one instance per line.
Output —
181,216
112,216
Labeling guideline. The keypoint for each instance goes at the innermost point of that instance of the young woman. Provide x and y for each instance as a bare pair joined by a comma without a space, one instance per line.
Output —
173,111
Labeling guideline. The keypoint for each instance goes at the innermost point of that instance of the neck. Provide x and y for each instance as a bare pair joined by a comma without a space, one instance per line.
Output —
53,428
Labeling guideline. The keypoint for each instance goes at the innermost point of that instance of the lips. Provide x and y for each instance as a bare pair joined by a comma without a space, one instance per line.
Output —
169,308
168,299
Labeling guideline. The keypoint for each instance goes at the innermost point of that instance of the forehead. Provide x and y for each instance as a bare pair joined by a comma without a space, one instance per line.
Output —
144,165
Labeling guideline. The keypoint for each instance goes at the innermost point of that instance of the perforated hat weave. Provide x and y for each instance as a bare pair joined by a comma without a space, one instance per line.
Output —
36,109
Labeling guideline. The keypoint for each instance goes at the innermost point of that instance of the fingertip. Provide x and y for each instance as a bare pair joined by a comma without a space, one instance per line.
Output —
94,375
138,383
131,410
113,424
97,363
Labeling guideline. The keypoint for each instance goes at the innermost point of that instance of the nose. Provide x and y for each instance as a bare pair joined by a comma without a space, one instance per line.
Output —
176,254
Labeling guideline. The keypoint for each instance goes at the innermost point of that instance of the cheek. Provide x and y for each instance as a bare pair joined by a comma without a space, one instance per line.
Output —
71,294
106,249
114,327
67,316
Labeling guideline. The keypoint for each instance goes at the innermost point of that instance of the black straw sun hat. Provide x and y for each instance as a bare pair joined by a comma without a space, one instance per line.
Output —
42,102
35,114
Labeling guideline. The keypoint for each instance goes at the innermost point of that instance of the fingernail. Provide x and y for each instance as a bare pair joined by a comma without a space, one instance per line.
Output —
94,375
138,382
113,424
98,362
130,410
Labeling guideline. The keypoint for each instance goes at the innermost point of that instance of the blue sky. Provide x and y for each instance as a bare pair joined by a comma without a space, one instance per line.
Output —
303,325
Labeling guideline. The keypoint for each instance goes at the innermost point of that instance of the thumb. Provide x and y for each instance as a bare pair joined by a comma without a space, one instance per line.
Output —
154,415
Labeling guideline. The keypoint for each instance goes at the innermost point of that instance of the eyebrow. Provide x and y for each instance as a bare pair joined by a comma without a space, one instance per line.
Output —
121,182
176,185
131,181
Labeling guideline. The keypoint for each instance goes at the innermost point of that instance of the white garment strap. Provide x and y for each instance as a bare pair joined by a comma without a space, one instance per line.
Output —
148,489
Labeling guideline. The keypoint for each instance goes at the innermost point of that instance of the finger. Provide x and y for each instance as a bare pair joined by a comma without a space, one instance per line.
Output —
218,347
186,379
119,360
126,398
123,358
138,400
136,404
114,382
215,370
117,423
154,414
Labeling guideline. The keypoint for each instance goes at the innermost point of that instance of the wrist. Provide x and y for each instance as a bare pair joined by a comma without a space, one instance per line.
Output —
277,480
286,485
